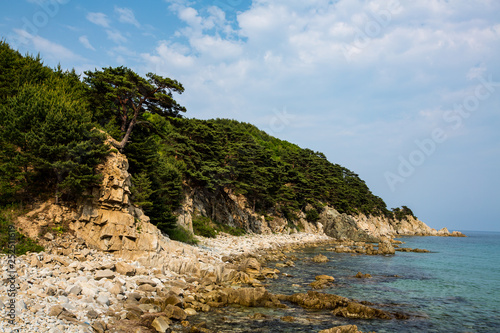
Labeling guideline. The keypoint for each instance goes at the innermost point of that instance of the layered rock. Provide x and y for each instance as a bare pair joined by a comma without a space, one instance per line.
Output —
340,306
106,219
235,210
343,226
372,229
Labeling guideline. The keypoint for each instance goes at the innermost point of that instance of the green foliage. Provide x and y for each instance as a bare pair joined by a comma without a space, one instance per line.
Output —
121,97
273,174
312,215
16,71
23,243
202,227
59,229
235,231
141,190
47,139
182,235
402,213
147,155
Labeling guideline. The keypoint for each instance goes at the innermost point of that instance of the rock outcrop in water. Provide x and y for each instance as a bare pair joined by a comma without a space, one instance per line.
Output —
340,306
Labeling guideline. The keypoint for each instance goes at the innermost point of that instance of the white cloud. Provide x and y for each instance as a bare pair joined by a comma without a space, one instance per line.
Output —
84,40
100,19
126,15
47,47
116,36
168,57
216,47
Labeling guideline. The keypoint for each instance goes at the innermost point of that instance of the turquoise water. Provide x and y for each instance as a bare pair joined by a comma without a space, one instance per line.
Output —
455,288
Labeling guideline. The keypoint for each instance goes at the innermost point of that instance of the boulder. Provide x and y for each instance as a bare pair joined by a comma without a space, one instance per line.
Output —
250,266
142,281
103,300
146,288
342,226
320,258
359,275
190,311
74,290
249,297
172,299
99,326
325,277
125,269
104,274
56,310
61,313
92,314
385,247
342,329
322,281
161,324
116,289
175,312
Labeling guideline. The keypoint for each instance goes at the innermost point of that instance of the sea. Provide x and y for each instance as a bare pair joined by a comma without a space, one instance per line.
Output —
453,288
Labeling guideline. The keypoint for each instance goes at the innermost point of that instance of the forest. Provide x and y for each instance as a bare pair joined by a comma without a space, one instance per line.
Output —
54,123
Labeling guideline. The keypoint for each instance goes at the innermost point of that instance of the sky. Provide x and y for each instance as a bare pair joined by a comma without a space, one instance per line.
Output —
404,93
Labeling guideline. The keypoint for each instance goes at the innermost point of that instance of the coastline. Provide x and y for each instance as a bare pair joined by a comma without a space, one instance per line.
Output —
92,291
85,290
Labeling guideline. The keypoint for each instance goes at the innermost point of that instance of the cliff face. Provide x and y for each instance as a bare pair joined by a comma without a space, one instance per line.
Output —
370,228
106,220
234,210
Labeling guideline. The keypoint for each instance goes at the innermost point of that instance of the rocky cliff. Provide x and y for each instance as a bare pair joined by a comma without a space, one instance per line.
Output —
235,211
105,219
370,228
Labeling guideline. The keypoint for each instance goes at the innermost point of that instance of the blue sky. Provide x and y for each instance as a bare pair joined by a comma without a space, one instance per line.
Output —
404,93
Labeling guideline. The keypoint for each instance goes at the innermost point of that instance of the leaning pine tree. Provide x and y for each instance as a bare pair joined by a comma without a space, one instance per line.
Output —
121,97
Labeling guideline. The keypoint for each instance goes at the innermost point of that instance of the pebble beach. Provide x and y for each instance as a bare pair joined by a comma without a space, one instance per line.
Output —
82,290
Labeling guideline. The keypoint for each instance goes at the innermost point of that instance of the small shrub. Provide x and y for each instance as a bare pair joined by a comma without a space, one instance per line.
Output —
235,231
59,229
202,227
182,235
23,243
312,215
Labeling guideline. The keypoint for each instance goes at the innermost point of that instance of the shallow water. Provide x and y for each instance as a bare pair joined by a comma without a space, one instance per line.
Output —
455,288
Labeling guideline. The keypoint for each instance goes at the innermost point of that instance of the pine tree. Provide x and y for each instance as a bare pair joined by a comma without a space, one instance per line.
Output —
121,95
48,138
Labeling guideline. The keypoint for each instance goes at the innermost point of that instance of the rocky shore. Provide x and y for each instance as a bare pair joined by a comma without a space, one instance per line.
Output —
71,288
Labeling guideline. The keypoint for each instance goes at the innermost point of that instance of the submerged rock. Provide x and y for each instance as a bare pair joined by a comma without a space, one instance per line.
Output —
339,305
342,329
362,276
407,249
322,281
320,258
